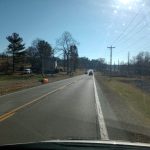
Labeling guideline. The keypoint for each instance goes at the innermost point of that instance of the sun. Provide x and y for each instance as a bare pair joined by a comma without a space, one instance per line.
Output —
125,2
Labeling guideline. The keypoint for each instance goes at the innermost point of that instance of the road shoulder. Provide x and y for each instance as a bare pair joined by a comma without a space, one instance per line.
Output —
121,122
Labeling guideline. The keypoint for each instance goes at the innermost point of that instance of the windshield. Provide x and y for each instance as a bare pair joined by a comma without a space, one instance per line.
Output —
74,70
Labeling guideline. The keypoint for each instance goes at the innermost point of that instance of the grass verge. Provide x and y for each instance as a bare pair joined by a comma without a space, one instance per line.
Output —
137,99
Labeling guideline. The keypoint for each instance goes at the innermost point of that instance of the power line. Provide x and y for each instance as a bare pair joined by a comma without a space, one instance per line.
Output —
141,28
122,33
133,31
136,42
141,38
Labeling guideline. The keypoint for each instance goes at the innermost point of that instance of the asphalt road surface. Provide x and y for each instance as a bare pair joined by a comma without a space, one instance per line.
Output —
68,109
60,110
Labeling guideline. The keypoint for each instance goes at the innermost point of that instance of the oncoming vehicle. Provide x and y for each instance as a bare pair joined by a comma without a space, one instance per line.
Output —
90,72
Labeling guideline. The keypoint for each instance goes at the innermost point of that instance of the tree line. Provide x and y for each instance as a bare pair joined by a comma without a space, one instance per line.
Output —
40,56
138,65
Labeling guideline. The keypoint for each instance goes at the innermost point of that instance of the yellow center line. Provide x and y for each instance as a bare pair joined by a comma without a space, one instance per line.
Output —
13,111
9,114
6,116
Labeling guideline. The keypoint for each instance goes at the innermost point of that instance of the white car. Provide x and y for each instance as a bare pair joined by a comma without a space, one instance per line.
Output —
27,71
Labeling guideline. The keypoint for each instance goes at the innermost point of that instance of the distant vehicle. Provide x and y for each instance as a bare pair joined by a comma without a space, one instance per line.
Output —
90,73
27,71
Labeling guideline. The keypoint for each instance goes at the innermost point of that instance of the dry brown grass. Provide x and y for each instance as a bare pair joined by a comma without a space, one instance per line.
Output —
12,83
137,99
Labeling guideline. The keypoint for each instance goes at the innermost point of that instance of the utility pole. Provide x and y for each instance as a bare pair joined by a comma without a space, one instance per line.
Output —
118,66
111,47
114,66
128,62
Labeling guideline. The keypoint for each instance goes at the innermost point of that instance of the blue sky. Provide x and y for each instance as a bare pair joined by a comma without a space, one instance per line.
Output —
95,24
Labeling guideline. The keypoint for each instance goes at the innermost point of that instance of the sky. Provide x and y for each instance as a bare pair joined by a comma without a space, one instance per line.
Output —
95,24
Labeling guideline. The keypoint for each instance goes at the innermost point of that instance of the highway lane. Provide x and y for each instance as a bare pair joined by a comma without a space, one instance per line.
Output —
16,99
67,113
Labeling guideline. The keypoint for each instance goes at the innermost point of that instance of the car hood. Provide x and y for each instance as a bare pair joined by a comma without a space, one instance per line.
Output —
79,144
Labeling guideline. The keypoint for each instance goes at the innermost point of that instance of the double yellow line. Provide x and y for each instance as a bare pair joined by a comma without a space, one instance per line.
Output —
12,112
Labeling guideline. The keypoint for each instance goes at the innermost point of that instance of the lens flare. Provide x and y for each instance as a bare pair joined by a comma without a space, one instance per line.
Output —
125,2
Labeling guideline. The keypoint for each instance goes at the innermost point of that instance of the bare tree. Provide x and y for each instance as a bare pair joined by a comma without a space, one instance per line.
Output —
63,44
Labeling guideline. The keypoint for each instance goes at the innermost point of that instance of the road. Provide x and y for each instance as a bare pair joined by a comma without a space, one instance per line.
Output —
61,110
73,108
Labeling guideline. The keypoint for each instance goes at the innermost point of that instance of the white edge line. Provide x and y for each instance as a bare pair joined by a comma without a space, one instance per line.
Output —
102,126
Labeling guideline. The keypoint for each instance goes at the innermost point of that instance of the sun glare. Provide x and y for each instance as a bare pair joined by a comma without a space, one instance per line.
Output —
125,2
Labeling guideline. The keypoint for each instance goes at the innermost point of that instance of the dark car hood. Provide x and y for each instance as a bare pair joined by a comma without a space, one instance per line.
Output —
79,145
